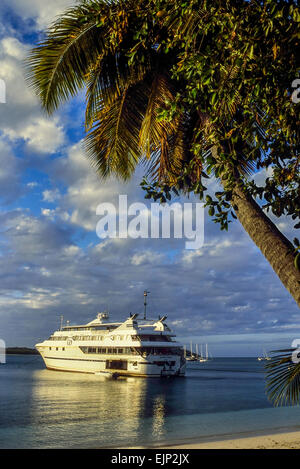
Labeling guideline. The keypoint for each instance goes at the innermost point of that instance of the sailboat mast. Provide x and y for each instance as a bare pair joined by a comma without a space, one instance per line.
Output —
145,303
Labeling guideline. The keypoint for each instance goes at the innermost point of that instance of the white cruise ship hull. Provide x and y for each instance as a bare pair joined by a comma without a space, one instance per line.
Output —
100,364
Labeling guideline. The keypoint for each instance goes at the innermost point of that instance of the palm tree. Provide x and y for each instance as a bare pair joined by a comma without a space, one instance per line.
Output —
99,46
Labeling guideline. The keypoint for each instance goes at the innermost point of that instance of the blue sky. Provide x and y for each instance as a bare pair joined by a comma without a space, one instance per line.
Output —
52,262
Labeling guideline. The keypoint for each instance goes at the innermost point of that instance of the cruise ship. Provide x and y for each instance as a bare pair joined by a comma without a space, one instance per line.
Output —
134,347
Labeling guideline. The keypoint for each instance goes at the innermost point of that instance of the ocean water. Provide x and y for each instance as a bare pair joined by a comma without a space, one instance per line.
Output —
40,408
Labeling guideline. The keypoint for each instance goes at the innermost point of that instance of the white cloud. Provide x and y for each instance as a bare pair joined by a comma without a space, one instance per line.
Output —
43,11
12,53
10,173
189,256
41,135
85,188
21,117
147,257
12,47
51,195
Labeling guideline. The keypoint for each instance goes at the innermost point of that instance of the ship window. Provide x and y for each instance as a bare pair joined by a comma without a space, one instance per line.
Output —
154,338
63,349
56,348
50,348
120,350
116,364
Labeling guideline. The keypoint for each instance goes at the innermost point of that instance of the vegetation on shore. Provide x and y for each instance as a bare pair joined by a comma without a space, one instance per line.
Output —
21,351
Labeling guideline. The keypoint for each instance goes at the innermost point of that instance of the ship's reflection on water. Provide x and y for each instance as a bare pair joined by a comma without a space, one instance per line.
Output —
110,411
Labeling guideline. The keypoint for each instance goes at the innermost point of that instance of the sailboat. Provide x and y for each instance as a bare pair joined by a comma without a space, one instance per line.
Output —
192,357
264,357
202,358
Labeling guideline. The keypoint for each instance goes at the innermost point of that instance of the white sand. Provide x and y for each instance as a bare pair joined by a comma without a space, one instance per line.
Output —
289,440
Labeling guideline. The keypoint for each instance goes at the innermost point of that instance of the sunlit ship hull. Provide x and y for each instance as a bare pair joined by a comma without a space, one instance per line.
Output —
98,366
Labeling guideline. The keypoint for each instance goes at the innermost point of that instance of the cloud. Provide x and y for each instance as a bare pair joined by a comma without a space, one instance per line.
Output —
43,12
147,257
41,135
44,273
21,118
85,190
10,174
51,195
12,47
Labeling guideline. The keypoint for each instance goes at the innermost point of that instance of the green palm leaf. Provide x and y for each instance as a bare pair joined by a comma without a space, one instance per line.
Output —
283,377
113,142
57,67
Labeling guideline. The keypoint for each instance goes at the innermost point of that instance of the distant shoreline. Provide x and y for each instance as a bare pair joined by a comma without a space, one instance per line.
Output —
21,351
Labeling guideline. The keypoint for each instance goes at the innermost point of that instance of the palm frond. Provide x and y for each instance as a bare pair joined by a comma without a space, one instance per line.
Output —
57,66
113,142
153,129
107,78
93,93
169,166
283,377
157,135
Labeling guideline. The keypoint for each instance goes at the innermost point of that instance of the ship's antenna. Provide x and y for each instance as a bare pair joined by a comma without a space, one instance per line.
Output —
145,302
61,322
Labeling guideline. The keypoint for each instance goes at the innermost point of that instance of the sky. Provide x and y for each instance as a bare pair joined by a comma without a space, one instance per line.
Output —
52,263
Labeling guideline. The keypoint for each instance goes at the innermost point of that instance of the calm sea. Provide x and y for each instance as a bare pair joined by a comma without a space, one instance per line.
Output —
40,408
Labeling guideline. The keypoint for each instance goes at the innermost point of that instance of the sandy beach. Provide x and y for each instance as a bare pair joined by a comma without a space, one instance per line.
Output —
289,440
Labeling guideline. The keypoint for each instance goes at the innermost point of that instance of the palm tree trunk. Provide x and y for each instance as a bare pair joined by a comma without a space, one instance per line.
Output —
276,248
